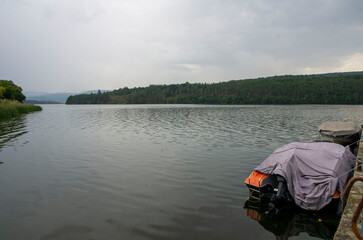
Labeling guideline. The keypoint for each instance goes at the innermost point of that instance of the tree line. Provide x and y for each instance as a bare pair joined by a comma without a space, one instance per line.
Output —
10,91
345,88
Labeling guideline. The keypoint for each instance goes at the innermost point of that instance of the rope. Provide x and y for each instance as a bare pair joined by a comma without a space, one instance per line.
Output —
360,164
353,142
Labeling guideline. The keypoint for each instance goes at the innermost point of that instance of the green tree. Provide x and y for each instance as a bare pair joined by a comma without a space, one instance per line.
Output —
12,91
2,91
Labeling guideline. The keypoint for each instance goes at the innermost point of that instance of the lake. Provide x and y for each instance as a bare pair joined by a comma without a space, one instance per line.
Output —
150,171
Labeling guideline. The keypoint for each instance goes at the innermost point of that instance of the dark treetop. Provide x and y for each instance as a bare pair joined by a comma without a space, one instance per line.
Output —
10,91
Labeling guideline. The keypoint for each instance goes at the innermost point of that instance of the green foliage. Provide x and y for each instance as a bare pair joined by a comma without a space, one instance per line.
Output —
345,88
11,98
8,90
99,98
12,108
2,91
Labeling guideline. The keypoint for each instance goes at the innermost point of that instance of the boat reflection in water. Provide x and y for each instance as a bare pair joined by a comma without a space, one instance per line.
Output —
292,221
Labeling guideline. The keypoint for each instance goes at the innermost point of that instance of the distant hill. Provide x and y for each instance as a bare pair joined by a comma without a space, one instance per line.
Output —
40,102
329,88
32,93
51,98
48,97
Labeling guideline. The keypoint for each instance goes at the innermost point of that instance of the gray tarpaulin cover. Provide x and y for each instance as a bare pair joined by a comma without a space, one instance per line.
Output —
313,171
339,128
344,133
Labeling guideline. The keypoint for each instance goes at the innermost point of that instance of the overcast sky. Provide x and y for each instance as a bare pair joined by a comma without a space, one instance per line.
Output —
77,45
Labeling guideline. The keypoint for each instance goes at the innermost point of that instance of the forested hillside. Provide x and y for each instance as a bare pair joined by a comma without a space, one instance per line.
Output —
335,88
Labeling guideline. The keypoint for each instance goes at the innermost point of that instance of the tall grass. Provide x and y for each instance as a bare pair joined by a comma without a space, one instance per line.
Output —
10,108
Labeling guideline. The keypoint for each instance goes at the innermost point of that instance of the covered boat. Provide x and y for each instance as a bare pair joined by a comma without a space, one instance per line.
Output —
310,174
344,133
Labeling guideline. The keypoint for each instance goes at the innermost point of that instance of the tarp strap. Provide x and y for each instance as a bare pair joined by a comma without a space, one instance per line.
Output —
353,143
358,165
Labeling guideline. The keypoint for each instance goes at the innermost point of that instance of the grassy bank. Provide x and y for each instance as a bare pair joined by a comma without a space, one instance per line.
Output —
10,108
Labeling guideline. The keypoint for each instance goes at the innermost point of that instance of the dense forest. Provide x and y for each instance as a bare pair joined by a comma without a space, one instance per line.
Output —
332,88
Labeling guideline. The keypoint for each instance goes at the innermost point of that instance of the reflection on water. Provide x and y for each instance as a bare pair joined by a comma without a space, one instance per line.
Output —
11,129
145,171
292,221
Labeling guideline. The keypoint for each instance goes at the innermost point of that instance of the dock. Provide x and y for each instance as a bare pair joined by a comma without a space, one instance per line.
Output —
344,231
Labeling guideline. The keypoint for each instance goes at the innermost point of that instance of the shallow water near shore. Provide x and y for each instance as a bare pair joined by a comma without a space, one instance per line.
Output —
151,171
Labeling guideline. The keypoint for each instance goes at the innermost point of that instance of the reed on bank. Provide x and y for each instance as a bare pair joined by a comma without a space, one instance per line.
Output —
12,108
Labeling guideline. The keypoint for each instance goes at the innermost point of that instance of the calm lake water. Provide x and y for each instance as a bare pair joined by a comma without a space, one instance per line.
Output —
150,171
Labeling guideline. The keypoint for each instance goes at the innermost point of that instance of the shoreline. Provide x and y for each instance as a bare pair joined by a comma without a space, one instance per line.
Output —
12,108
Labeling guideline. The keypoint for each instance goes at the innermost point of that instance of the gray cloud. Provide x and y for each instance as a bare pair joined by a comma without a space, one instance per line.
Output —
78,45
